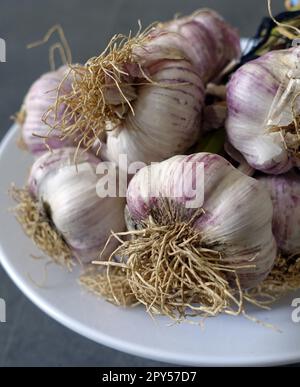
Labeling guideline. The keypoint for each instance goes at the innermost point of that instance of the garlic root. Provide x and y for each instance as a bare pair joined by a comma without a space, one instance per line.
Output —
283,279
113,287
36,226
171,272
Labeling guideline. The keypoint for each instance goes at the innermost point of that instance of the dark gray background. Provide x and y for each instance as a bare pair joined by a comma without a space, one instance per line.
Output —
30,338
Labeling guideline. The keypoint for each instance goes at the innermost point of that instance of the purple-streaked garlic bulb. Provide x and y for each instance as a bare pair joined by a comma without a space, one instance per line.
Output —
263,111
237,210
40,96
148,92
68,201
201,236
285,194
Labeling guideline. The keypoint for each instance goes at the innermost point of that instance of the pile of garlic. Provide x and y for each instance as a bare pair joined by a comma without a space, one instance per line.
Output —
192,234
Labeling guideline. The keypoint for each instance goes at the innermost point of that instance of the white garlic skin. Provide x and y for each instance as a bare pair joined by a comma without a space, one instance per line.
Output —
250,96
238,210
41,95
166,120
285,194
83,218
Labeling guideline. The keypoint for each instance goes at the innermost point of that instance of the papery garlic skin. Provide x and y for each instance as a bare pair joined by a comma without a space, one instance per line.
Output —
285,194
41,95
68,194
237,218
260,97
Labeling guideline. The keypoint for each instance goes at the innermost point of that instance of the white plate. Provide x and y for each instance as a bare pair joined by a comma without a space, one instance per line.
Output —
224,341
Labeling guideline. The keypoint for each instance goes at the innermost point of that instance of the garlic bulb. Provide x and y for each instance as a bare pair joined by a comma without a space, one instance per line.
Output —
237,209
67,200
148,91
263,111
40,96
201,236
285,193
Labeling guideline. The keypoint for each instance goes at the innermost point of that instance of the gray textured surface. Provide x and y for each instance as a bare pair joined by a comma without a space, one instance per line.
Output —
30,338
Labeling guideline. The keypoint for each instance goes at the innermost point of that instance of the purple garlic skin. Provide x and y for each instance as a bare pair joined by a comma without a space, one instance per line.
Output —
41,95
205,39
210,43
69,192
285,194
260,98
237,218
